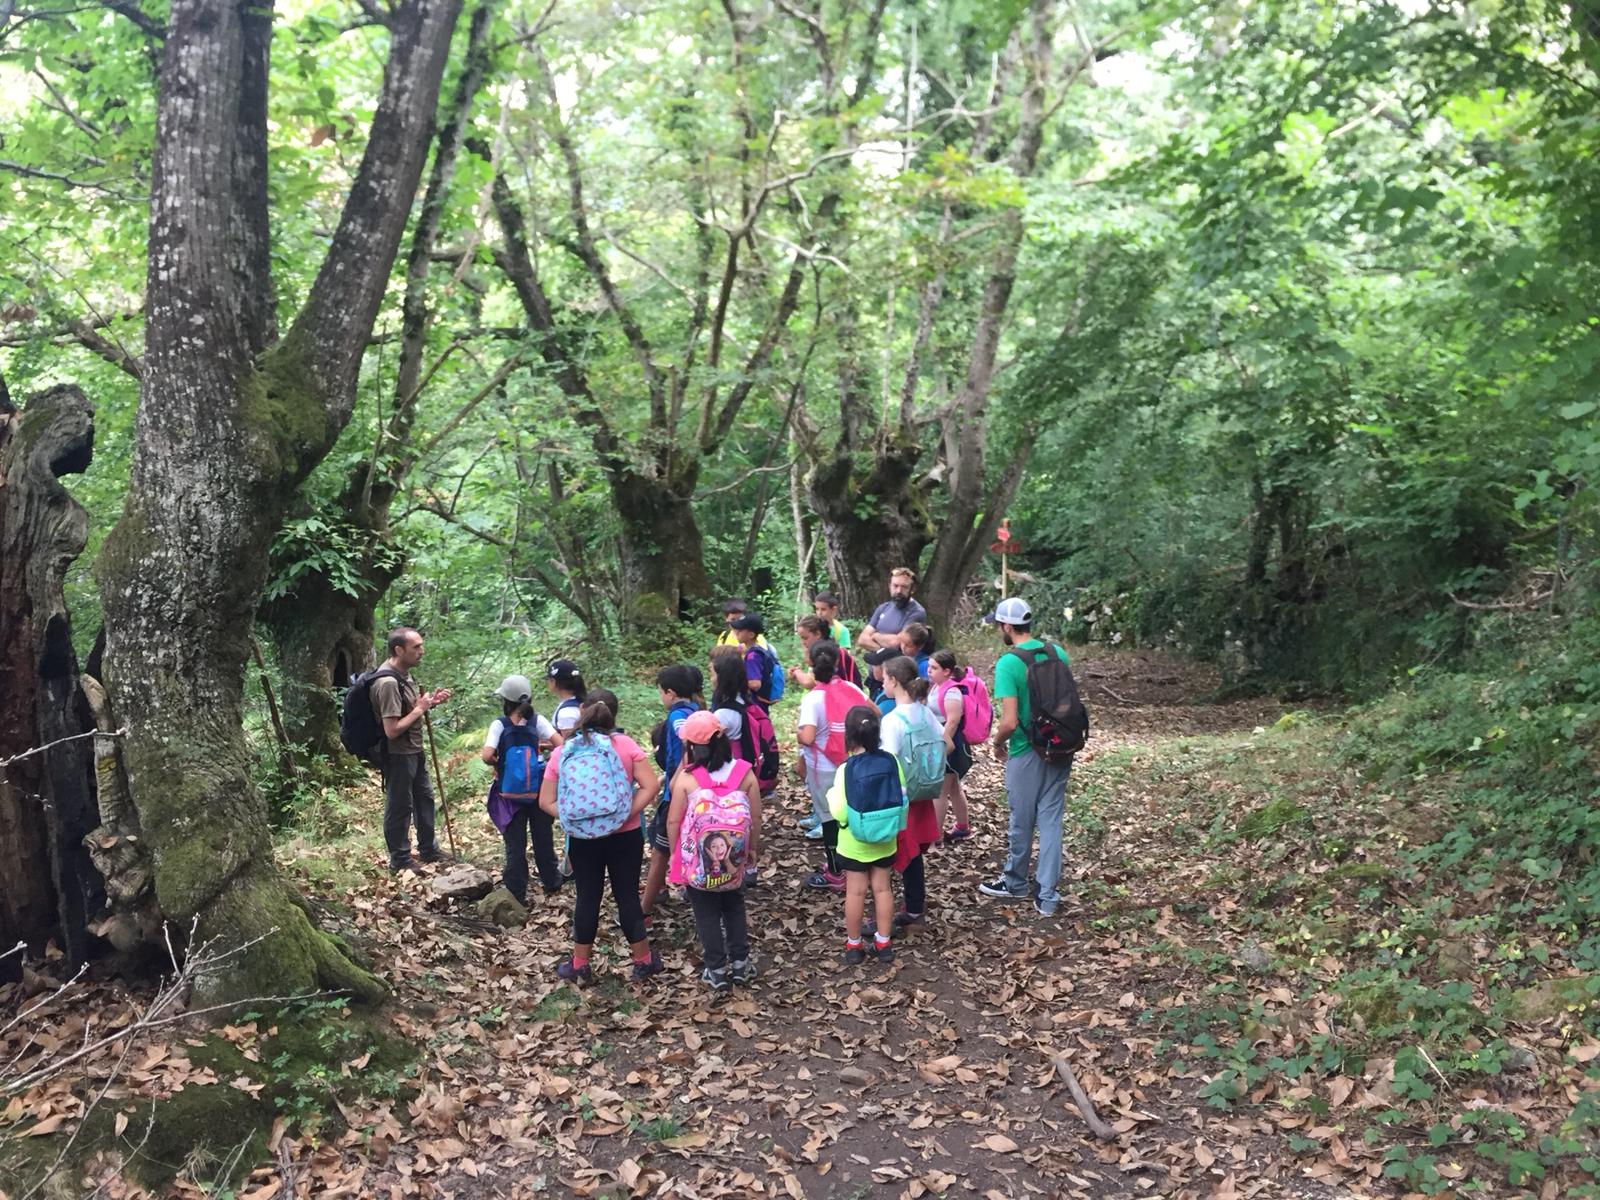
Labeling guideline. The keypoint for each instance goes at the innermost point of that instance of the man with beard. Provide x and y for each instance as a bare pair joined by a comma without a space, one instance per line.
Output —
880,640
1035,790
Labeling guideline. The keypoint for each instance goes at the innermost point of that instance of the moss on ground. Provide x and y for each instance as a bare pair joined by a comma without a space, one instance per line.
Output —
216,1133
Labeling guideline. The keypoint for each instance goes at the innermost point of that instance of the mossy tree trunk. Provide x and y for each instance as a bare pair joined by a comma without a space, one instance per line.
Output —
230,421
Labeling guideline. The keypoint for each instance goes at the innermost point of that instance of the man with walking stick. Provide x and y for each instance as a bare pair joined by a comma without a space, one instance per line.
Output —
408,792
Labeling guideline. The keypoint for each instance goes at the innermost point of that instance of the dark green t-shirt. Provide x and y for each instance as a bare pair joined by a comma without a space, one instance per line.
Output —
1011,679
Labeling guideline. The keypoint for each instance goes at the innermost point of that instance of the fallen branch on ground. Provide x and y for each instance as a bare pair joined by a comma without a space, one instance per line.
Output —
1085,1106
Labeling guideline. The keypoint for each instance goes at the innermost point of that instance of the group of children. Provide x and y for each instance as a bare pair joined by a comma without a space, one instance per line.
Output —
881,776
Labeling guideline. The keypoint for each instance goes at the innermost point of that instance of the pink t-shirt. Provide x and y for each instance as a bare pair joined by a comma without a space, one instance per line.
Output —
627,750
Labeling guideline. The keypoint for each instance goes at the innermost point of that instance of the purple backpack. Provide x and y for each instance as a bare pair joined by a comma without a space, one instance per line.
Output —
594,791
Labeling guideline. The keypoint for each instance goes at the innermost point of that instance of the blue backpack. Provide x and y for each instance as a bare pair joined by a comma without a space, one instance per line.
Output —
773,692
875,797
520,769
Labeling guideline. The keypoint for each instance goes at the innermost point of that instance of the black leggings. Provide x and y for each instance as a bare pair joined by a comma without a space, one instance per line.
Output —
620,855
830,847
915,878
529,820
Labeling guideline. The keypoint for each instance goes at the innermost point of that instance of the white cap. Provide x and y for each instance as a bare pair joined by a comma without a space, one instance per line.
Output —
1010,611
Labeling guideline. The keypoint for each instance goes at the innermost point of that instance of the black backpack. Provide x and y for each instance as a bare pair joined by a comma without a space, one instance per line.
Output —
359,727
1058,724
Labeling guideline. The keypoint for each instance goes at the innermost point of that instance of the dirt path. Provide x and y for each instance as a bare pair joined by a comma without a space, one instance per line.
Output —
932,1076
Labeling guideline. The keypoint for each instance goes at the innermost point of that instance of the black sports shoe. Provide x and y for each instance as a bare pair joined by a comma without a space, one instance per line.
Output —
651,966
437,858
885,953
854,956
743,971
996,889
717,981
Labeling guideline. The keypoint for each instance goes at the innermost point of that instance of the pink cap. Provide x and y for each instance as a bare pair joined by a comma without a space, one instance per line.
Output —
700,727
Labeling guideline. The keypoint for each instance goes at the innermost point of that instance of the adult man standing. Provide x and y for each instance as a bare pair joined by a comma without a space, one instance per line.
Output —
1035,790
880,640
406,787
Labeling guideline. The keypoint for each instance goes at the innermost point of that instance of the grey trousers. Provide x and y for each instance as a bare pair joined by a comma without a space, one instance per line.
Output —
407,793
1036,793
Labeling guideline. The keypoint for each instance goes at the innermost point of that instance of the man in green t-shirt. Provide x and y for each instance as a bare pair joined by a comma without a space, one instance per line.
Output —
1035,790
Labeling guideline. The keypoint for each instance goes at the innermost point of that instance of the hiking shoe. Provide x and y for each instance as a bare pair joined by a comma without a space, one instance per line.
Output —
809,821
717,981
570,974
751,874
884,954
650,966
814,833
854,956
903,918
958,833
1043,909
996,889
742,971
438,858
821,881
395,868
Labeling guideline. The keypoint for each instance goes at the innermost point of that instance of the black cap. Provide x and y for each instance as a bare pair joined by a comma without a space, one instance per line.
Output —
751,621
563,669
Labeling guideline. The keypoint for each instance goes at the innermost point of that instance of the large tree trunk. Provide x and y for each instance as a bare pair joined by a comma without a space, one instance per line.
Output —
48,887
324,637
228,425
870,524
663,557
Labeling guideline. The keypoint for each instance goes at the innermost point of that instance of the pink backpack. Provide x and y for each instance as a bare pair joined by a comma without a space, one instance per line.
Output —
714,839
838,698
977,713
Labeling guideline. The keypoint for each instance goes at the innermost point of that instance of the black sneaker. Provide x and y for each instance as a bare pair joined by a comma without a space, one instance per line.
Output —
437,858
903,918
651,966
996,889
406,865
958,833
743,971
854,956
884,953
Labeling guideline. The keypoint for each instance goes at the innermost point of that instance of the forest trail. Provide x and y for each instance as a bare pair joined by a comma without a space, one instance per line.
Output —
932,1076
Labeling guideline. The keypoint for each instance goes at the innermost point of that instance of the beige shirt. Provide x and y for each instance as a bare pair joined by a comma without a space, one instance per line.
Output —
395,697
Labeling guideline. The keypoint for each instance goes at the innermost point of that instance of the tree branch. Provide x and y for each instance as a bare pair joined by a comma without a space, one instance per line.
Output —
344,300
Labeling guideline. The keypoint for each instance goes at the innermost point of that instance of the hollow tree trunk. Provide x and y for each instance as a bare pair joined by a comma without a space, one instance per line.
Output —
870,524
48,886
663,557
324,637
229,423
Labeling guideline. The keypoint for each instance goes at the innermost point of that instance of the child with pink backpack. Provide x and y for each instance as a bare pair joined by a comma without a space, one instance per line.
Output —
714,829
960,698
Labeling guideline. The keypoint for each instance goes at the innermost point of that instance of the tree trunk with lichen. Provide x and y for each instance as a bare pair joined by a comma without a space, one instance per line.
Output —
873,520
230,421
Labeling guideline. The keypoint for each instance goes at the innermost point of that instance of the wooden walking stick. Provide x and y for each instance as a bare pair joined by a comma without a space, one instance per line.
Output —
438,783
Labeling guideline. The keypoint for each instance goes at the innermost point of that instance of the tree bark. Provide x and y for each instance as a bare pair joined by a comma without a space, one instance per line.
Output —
228,425
322,634
47,800
871,523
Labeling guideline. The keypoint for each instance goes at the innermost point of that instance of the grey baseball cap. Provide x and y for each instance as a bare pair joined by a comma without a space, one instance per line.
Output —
514,688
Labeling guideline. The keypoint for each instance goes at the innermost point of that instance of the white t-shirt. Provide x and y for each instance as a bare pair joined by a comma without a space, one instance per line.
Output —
541,730
732,721
894,724
820,769
567,716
